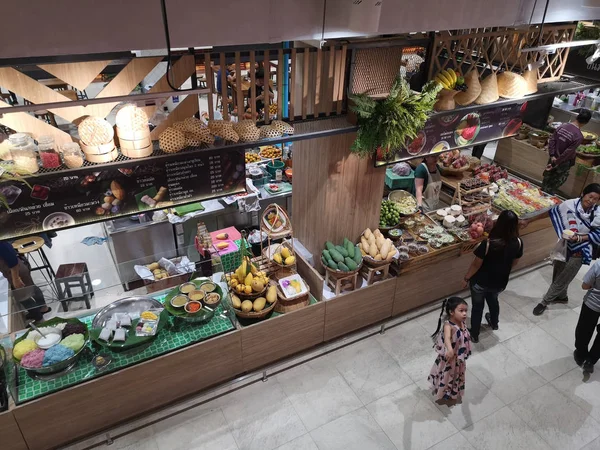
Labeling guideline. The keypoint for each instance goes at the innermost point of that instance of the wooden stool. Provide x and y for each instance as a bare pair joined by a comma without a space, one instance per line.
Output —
28,247
374,274
69,276
339,283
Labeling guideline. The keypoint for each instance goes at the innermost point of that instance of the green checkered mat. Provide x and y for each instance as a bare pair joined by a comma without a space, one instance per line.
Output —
172,337
232,261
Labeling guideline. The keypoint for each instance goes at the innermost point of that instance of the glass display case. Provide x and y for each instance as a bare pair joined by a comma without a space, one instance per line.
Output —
93,306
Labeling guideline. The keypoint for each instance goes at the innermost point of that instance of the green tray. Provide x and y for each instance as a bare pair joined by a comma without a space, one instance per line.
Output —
132,340
185,209
203,315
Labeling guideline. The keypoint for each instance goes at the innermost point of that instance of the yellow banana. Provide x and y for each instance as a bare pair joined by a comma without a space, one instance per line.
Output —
442,81
444,77
452,75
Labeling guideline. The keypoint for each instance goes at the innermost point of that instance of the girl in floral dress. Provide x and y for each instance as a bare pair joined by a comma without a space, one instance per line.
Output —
453,346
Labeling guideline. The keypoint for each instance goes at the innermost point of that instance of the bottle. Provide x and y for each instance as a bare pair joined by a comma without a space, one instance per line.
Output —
48,154
72,155
23,152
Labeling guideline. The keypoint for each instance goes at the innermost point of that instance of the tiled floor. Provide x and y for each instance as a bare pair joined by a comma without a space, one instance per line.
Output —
523,392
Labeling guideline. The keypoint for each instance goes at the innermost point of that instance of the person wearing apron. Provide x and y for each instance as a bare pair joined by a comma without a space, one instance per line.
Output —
428,184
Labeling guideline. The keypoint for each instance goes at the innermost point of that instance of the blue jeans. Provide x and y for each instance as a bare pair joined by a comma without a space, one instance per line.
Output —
479,295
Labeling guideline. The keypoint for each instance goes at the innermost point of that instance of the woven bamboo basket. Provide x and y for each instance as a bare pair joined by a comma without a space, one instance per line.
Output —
338,273
272,249
450,171
252,296
256,314
370,262
100,153
288,304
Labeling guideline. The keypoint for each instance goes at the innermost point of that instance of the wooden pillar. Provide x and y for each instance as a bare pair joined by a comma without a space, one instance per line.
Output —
336,194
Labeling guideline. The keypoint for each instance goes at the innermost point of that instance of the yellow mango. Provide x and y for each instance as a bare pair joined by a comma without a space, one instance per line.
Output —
373,250
364,242
257,285
290,260
259,304
378,257
240,288
248,289
368,233
377,233
285,253
385,248
277,258
247,306
248,280
391,254
271,294
236,302
371,240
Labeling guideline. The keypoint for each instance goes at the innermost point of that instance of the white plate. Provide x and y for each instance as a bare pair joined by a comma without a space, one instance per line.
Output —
297,277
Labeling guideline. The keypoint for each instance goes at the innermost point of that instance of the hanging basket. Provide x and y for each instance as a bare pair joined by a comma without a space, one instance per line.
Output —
276,222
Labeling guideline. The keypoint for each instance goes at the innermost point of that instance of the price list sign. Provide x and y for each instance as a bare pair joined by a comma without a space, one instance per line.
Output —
56,201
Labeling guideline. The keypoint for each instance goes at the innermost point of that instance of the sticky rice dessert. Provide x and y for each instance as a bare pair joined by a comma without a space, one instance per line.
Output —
33,359
120,335
73,341
56,354
23,347
73,328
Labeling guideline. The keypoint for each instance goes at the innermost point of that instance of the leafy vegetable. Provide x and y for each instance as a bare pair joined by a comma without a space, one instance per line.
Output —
591,149
392,123
587,33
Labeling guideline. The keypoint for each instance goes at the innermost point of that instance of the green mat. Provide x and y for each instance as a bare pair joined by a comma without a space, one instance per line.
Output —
185,209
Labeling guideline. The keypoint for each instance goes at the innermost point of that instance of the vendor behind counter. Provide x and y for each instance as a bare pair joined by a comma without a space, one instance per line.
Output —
428,184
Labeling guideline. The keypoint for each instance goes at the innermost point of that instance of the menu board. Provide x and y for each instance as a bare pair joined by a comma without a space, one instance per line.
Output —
61,200
459,129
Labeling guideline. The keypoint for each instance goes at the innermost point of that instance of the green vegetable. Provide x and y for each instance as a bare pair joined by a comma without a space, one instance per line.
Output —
591,149
351,264
390,214
336,256
332,264
357,256
326,254
350,248
342,250
329,245
389,124
343,267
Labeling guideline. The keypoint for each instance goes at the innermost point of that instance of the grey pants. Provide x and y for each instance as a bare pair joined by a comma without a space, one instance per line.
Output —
562,275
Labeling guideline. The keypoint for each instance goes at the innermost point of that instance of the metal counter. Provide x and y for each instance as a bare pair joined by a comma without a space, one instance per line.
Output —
131,242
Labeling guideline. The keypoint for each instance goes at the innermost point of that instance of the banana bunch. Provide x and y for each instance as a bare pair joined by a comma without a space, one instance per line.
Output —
447,78
247,279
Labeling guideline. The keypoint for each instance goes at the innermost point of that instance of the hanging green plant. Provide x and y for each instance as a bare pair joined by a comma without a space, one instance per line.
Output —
388,125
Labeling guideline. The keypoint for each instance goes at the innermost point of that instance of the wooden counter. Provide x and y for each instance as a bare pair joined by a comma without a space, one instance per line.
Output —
10,435
529,161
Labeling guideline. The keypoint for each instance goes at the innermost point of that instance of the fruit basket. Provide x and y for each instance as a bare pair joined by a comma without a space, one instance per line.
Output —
374,243
281,254
254,310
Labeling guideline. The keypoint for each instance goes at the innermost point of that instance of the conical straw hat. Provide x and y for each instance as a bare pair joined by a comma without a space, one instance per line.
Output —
530,76
473,89
511,85
489,90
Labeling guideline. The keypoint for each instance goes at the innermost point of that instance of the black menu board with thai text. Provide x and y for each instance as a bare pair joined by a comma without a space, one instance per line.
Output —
59,200
460,129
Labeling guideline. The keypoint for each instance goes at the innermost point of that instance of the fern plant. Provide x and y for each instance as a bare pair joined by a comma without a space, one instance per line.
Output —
392,123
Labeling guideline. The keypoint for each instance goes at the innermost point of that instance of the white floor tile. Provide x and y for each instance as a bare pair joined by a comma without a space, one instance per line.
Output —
369,370
503,430
504,374
594,445
261,417
304,442
542,353
562,328
319,393
454,442
354,431
511,322
143,439
410,419
195,430
582,389
559,421
477,403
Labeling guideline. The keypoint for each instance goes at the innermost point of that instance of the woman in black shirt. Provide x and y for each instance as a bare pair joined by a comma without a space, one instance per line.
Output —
489,271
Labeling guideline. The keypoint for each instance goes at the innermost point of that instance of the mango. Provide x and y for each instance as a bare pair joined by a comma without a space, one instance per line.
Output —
277,258
257,285
368,233
343,267
248,280
259,304
290,260
285,253
373,250
271,294
350,263
236,302
248,290
222,236
246,306
329,245
240,288
336,256
342,250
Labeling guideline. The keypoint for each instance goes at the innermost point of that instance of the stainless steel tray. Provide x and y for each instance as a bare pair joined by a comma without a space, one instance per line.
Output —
133,306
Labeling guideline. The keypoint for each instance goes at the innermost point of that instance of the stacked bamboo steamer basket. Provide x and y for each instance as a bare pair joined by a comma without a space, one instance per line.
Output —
133,132
97,140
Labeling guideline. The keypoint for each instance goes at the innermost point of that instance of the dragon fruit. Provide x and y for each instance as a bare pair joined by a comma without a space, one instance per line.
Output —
469,133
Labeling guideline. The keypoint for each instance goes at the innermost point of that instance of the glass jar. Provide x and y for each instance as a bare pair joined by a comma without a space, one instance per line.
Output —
23,152
48,154
72,155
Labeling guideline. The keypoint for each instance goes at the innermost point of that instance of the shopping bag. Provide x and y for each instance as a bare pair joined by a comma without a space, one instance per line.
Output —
559,252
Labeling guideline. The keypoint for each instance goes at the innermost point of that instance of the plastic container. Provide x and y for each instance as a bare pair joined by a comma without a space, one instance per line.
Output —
48,154
72,155
23,152
273,166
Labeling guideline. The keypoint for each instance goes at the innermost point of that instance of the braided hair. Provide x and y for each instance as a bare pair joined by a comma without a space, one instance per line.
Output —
448,305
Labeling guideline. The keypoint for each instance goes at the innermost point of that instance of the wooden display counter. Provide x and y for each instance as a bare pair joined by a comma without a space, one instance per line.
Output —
529,161
10,435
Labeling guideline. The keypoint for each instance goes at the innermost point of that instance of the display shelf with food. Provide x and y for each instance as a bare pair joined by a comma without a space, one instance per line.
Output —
522,197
